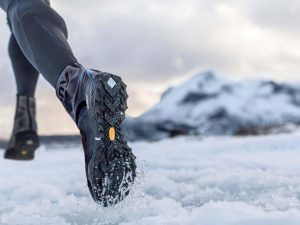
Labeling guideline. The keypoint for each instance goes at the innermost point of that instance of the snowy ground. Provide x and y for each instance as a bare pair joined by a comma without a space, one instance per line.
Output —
214,181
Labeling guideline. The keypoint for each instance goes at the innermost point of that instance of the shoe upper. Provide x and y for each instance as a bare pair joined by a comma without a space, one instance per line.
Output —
69,88
25,118
72,90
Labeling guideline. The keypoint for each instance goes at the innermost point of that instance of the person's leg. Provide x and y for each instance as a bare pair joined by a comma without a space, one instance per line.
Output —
3,4
95,100
24,139
42,35
26,75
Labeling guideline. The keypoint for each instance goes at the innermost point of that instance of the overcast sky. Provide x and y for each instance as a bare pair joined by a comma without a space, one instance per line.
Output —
157,43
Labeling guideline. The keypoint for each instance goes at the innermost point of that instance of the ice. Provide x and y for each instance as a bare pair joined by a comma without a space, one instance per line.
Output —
182,181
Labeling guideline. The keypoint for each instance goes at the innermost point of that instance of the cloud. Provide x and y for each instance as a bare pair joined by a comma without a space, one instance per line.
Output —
282,15
151,40
153,44
159,40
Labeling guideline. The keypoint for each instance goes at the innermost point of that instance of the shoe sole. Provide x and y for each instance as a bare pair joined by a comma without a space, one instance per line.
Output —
112,169
25,147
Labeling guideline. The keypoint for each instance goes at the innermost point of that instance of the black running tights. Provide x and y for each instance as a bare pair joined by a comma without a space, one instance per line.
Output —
38,43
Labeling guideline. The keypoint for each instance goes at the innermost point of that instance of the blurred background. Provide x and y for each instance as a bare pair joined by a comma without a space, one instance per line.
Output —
223,73
156,44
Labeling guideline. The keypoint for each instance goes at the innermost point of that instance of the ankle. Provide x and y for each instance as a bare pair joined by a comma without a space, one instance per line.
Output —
25,115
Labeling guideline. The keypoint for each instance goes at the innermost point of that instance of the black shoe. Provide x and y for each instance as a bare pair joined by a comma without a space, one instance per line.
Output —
97,102
24,139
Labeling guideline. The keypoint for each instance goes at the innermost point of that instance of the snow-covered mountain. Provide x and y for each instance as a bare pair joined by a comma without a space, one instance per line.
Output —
209,104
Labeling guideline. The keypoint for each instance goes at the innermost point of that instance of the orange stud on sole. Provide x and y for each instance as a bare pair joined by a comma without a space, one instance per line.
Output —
112,134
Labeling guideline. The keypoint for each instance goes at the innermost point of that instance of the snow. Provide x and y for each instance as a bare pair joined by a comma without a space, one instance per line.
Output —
209,104
249,99
182,181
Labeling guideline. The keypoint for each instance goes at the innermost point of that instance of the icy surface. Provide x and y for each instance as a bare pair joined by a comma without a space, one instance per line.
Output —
184,181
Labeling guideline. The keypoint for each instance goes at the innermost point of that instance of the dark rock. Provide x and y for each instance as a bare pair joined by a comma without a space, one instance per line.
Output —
194,97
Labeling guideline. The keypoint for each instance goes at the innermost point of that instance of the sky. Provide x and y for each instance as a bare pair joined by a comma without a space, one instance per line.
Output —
158,43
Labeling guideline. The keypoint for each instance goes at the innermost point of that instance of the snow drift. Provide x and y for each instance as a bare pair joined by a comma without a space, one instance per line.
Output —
209,104
182,181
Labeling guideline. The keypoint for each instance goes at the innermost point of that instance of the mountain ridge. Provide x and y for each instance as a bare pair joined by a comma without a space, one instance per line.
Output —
209,104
